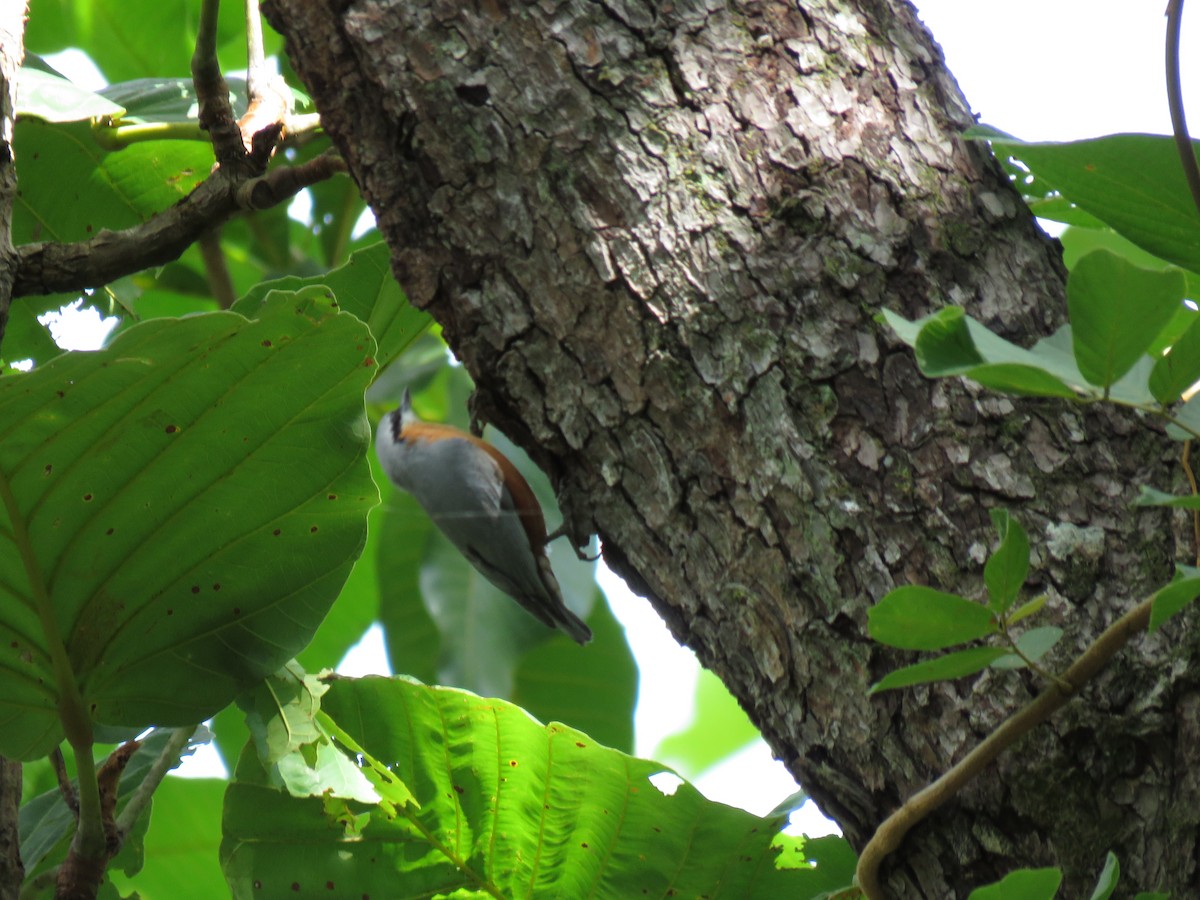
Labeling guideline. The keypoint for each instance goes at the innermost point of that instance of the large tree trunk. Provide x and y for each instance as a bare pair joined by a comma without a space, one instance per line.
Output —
657,236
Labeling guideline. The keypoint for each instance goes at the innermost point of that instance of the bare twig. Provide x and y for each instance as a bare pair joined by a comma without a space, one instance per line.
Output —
212,93
256,63
1183,142
888,835
215,269
64,780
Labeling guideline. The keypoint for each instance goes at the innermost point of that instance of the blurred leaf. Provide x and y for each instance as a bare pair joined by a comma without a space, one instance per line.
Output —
1179,369
148,482
365,287
719,728
1173,599
46,824
1034,643
27,338
1008,566
919,618
1110,876
949,342
1152,497
1132,182
1117,310
599,827
53,98
1027,609
592,688
131,39
182,843
958,664
412,636
1023,884
827,868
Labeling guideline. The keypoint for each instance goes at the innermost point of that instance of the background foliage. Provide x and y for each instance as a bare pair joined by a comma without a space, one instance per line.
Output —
188,508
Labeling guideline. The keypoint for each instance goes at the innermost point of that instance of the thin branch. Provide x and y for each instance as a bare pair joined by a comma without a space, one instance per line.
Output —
888,835
1183,142
1191,477
158,771
216,270
256,62
64,780
212,93
51,268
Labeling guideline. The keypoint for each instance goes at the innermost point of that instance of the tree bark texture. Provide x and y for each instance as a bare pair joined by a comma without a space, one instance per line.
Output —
657,235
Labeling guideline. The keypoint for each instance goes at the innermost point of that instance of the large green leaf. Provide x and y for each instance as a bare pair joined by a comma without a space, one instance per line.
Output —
1117,310
366,287
177,513
1132,182
504,805
71,188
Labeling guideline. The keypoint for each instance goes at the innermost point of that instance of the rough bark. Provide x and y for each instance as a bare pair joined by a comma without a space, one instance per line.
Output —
657,235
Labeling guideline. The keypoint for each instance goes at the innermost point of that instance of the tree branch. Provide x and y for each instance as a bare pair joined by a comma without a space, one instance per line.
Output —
51,268
891,832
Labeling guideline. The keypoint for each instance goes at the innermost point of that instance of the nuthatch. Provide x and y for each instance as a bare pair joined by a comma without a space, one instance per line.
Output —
479,500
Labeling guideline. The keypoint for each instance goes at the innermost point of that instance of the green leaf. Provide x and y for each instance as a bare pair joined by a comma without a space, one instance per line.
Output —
365,287
944,345
597,826
951,343
1034,643
1027,609
1172,599
182,842
958,664
1021,380
719,728
71,189
1179,369
160,503
52,98
1149,496
919,618
1117,310
1132,182
46,823
591,688
1008,567
1188,419
138,38
1023,884
1110,875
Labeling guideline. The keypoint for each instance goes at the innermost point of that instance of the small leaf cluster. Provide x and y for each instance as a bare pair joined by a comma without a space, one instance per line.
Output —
914,617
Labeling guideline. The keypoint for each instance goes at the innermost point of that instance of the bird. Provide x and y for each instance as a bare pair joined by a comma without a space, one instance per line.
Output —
478,499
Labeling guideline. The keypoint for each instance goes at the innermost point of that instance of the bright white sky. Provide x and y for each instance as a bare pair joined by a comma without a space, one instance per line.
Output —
1039,69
